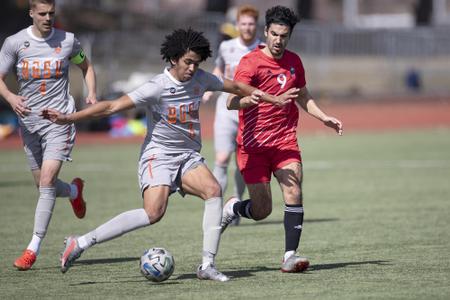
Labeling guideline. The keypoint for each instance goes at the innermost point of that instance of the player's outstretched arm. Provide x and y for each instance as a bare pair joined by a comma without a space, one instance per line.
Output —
89,77
235,102
305,100
98,110
209,94
242,90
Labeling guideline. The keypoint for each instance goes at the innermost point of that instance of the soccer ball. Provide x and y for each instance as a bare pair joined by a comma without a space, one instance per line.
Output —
157,264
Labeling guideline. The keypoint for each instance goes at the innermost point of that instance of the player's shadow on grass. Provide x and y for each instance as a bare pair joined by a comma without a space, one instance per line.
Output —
233,274
96,261
131,279
142,279
251,272
319,267
252,223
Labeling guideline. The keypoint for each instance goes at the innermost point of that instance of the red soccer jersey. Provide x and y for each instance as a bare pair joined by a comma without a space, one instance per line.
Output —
265,125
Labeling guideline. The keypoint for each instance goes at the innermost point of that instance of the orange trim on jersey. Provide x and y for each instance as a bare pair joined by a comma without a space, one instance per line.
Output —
35,70
25,70
58,69
150,165
69,133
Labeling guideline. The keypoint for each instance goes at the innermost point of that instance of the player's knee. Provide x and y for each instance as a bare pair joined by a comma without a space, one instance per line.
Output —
155,214
212,190
47,180
293,196
222,162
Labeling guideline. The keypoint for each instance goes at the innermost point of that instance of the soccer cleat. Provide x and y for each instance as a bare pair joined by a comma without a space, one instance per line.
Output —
78,204
236,221
228,214
295,264
25,261
211,273
70,253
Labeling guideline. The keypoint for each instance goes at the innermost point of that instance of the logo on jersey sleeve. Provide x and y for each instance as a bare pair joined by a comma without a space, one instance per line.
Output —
172,90
26,45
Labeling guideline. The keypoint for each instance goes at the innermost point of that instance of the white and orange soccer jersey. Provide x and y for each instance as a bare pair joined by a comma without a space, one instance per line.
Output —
172,107
42,70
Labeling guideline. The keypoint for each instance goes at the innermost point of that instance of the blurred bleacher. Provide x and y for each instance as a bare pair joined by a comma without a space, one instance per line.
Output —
352,49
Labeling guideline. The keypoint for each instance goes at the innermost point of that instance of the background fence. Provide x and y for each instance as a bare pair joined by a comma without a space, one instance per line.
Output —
339,60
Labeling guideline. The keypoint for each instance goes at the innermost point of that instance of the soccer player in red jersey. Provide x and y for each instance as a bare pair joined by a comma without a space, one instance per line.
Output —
267,140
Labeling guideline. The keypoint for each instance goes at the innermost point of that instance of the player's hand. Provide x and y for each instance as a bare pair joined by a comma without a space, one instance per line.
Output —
19,105
54,116
91,99
251,100
247,102
335,124
286,97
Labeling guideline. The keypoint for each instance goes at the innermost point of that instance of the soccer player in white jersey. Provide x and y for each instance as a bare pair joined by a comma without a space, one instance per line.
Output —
170,156
226,121
41,56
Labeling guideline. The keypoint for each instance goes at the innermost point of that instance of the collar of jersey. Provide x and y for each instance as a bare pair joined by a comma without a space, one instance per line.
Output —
268,58
167,72
241,45
30,33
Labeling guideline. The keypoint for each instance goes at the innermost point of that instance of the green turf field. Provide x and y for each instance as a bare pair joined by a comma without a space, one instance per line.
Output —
377,226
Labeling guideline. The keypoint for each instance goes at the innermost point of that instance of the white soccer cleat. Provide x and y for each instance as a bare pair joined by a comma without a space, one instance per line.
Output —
236,221
295,264
70,253
228,214
211,273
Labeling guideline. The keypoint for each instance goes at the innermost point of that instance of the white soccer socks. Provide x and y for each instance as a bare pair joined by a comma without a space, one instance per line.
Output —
42,216
211,229
117,226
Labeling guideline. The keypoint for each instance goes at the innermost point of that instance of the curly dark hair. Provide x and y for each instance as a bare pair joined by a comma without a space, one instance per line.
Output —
181,41
281,15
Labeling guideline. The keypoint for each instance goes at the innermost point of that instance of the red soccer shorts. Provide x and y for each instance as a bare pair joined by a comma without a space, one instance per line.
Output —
258,167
